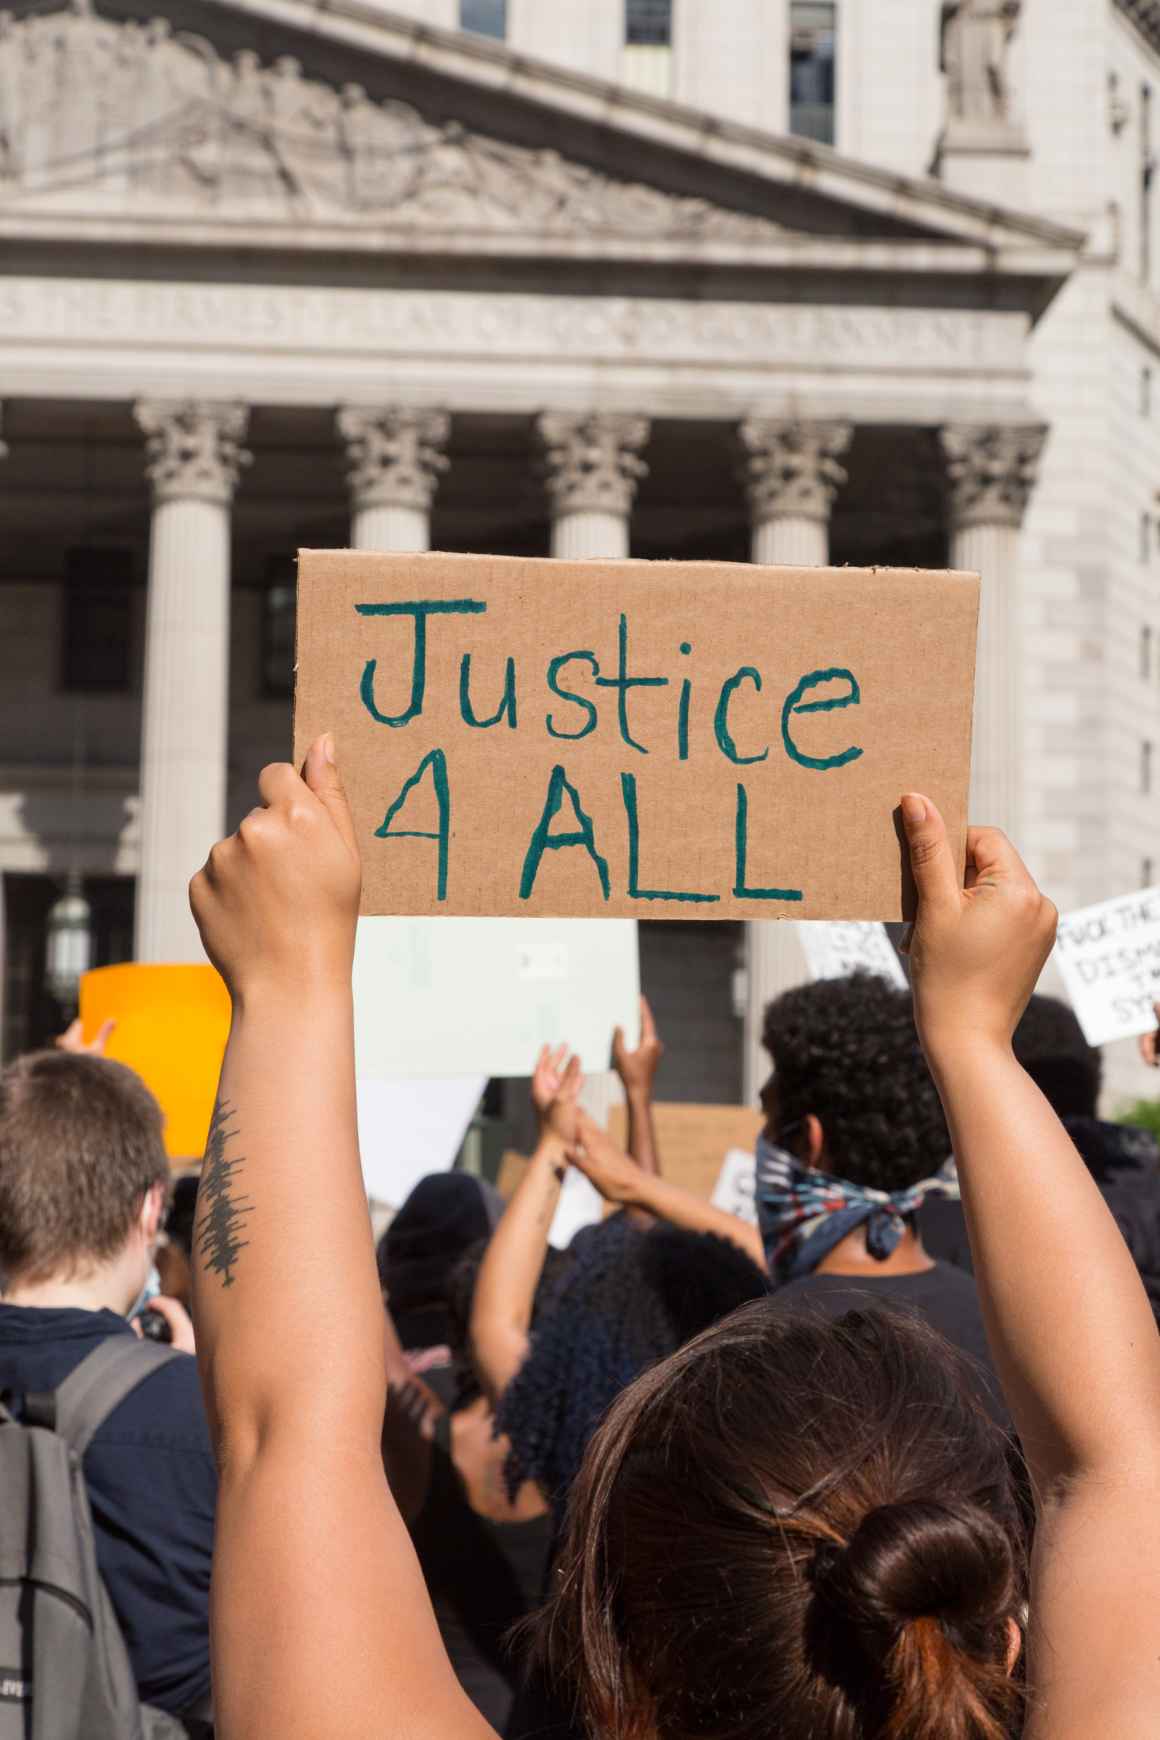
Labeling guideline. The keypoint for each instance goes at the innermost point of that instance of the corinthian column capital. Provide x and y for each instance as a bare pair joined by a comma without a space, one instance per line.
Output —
394,455
193,447
592,461
790,468
992,469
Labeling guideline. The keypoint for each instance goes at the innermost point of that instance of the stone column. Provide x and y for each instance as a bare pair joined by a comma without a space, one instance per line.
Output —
992,471
194,456
395,459
791,473
592,466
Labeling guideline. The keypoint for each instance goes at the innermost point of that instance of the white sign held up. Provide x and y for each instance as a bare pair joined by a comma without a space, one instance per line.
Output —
736,1186
834,950
1109,956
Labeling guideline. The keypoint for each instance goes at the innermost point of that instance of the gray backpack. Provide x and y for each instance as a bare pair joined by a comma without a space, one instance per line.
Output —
64,1668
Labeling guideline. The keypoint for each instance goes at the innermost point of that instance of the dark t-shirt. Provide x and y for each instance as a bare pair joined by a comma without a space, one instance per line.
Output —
943,1295
483,1577
152,1488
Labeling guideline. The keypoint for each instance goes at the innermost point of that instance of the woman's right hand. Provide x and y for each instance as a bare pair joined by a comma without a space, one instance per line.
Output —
976,953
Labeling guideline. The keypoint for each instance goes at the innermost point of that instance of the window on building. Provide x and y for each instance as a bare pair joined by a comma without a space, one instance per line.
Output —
812,26
484,18
1147,872
1145,392
1147,171
1145,769
1146,653
278,603
97,621
647,60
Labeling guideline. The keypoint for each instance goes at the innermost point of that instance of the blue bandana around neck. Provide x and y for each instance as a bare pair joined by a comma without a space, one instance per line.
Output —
803,1214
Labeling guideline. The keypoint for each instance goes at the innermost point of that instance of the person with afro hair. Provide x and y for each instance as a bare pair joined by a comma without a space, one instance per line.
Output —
854,1145
631,1292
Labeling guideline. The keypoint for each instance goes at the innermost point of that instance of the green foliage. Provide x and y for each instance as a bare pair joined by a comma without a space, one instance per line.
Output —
1145,1115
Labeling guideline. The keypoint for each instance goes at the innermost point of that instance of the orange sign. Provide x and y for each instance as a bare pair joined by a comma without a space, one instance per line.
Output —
172,1024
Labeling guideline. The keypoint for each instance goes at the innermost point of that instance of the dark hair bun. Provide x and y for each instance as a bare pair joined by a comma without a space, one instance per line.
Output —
920,1559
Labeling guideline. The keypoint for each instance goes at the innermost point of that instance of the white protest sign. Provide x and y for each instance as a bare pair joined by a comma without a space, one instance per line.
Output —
834,950
1109,956
580,1204
736,1186
468,996
407,1129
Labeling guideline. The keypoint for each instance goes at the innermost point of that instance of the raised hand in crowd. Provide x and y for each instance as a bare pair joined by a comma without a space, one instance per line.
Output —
505,1289
1069,1323
637,1068
556,1084
73,1038
621,1180
289,1310
283,1237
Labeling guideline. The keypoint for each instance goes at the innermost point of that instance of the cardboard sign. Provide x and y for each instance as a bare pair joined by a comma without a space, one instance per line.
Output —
1109,956
635,739
833,951
693,1140
467,996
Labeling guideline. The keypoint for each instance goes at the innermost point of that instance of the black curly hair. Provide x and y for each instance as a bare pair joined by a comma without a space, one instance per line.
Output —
459,1297
847,1050
1050,1045
629,1297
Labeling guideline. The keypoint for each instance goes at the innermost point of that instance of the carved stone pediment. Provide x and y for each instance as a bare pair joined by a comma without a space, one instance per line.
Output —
134,118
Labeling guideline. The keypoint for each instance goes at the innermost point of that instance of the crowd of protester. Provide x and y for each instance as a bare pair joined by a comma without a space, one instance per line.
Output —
882,1466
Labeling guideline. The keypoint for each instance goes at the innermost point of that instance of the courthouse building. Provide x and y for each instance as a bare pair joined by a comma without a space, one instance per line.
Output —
866,281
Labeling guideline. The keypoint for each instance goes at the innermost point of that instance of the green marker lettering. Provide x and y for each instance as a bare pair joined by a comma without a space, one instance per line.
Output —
740,890
420,610
622,682
628,793
507,700
795,704
724,736
554,669
437,762
542,841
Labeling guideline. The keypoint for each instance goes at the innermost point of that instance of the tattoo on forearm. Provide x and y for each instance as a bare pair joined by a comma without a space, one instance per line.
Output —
220,1212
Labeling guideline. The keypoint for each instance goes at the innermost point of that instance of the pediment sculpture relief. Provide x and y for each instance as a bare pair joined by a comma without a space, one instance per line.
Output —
129,116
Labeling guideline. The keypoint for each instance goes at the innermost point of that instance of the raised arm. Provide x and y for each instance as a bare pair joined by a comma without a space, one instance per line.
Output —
505,1288
321,1625
637,1071
1070,1327
620,1180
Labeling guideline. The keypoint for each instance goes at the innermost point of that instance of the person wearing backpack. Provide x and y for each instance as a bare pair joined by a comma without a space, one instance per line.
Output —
83,1178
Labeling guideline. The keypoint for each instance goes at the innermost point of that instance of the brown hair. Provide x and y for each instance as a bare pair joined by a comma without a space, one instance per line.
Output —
794,1526
80,1145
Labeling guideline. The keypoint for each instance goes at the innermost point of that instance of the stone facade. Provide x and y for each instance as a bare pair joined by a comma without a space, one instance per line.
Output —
443,290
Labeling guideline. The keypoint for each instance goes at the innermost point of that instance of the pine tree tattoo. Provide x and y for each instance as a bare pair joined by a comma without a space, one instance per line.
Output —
220,1214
